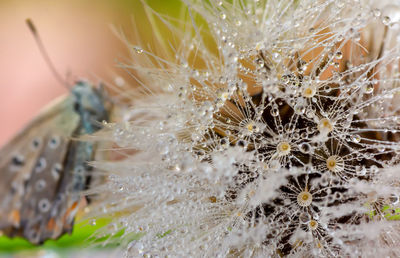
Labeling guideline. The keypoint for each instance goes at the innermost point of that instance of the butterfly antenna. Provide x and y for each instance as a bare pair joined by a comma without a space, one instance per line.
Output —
46,57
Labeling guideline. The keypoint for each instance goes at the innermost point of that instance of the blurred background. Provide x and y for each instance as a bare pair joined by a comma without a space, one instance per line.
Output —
79,40
78,37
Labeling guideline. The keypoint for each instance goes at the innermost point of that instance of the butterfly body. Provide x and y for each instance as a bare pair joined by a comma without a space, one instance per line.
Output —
43,169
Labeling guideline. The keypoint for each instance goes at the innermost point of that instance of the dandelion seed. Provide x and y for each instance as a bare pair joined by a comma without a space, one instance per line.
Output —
313,224
335,164
304,199
325,126
283,148
309,92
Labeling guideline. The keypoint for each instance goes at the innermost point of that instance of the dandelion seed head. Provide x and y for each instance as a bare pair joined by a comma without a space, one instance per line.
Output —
273,130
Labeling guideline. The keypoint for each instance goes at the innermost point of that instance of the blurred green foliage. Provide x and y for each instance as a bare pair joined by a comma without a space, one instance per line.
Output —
81,233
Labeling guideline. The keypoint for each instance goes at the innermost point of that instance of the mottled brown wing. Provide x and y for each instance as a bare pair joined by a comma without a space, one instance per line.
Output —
31,169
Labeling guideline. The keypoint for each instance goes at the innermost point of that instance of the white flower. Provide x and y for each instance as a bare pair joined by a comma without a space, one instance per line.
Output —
273,132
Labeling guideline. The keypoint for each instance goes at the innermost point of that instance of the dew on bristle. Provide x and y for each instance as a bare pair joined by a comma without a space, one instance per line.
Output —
304,217
394,199
339,55
305,147
356,138
138,50
386,20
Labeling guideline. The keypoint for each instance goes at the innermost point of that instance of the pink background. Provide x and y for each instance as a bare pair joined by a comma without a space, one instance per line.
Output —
79,40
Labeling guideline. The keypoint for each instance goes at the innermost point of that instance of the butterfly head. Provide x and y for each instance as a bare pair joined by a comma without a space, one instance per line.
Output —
90,104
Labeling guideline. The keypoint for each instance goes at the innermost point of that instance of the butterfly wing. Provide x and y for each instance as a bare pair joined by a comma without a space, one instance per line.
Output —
41,185
90,105
31,168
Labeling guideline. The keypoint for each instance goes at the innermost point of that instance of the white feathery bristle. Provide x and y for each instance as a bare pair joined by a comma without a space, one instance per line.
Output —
273,131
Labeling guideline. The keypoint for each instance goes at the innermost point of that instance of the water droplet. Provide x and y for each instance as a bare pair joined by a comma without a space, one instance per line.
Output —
224,142
304,217
176,167
369,89
374,169
376,12
339,55
305,147
242,143
303,68
276,56
340,4
138,50
135,248
119,81
299,109
274,112
386,20
361,170
394,199
355,138
310,114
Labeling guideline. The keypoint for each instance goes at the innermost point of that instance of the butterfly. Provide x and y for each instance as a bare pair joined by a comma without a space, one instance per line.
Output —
43,170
